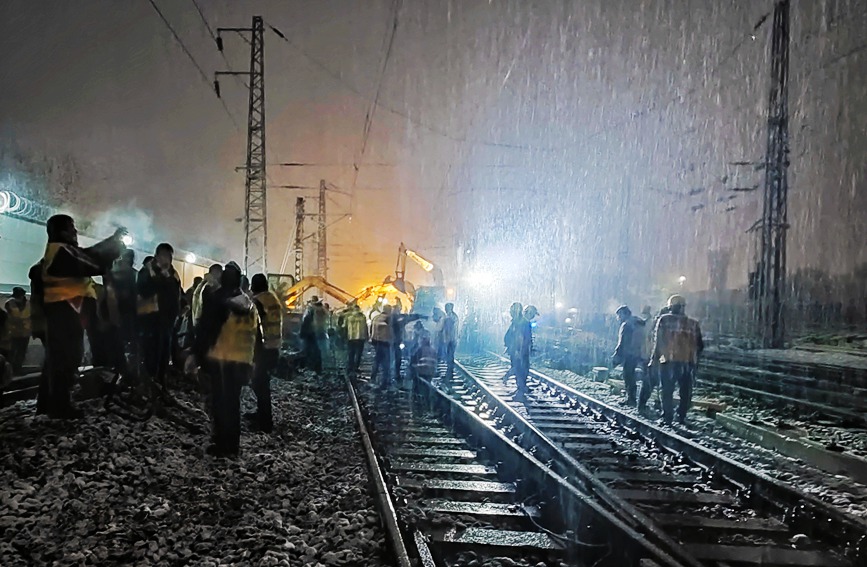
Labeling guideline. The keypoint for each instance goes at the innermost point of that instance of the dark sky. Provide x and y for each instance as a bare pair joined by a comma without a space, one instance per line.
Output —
538,112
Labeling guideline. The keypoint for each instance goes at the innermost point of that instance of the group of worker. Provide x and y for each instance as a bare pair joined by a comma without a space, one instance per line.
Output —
132,321
667,357
15,333
395,337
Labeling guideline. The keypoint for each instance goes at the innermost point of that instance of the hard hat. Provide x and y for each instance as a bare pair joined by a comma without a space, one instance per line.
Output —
676,300
530,311
622,309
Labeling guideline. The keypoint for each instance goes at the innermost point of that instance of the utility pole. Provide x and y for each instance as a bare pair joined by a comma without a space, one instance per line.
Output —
322,234
299,238
255,213
770,275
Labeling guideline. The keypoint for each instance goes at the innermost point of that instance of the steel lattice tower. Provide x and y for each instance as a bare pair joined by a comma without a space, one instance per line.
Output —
299,239
771,268
256,215
322,235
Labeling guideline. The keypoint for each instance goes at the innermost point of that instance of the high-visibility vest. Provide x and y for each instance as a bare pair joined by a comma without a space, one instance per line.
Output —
18,323
63,289
380,330
272,324
237,339
148,305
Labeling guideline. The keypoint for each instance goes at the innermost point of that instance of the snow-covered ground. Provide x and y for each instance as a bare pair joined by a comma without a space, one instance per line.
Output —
106,491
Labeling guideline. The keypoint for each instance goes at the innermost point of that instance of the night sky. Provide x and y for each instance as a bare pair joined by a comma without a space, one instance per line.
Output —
517,125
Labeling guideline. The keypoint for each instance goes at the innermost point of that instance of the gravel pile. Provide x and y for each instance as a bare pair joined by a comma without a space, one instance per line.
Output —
106,491
839,490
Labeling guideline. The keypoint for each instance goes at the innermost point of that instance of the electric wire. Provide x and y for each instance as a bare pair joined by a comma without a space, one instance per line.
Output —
192,60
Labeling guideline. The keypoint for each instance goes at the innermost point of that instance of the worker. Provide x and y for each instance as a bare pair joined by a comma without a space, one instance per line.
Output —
357,334
18,327
414,335
68,297
423,363
5,339
267,353
447,330
209,284
437,315
37,323
123,282
188,294
312,332
518,341
380,336
398,323
629,350
159,292
650,377
677,344
226,342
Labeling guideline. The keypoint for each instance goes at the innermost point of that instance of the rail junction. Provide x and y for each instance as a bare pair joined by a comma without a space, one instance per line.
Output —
465,472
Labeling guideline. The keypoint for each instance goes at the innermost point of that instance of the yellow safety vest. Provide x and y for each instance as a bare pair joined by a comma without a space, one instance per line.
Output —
272,325
18,323
237,339
63,289
148,305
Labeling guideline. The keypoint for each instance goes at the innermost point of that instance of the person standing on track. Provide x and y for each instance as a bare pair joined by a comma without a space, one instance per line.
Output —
313,327
677,344
268,350
447,329
398,324
381,336
159,291
18,327
357,334
226,343
69,301
518,341
629,350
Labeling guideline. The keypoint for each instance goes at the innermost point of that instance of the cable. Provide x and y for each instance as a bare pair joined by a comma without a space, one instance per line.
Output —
214,37
387,108
193,61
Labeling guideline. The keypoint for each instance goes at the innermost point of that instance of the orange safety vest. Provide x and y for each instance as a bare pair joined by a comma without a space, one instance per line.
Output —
272,324
63,289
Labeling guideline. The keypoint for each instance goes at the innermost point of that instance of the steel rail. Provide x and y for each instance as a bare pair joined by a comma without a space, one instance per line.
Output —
383,499
807,511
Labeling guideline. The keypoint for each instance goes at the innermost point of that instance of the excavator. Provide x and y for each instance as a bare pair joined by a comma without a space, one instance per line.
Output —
422,298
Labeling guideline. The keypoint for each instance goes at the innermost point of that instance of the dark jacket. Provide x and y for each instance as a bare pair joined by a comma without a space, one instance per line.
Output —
398,323
166,285
519,337
630,339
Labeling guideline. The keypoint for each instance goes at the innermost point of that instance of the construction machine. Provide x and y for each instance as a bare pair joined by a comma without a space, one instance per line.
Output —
424,298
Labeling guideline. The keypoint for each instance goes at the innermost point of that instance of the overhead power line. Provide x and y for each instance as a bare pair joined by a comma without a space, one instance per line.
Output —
390,109
192,59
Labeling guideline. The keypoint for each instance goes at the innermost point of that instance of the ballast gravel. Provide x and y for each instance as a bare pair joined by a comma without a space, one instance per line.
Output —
103,490
842,491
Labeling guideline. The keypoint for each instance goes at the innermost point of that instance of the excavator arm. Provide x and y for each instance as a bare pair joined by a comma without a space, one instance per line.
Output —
296,292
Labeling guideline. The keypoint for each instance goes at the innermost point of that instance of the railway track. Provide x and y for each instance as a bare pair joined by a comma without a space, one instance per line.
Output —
698,505
827,396
454,489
